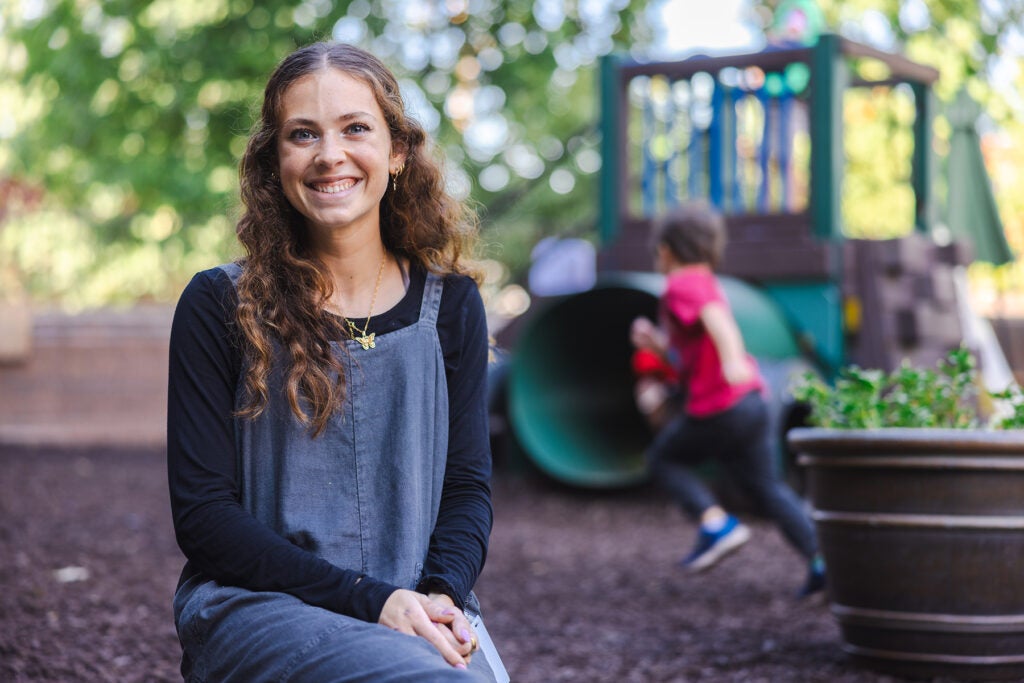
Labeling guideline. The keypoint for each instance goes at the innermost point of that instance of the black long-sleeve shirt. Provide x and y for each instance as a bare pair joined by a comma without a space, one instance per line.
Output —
224,542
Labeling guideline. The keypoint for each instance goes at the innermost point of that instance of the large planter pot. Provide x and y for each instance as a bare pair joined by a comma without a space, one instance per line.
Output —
922,531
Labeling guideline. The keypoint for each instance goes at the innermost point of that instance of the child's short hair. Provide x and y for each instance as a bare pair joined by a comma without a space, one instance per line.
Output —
694,232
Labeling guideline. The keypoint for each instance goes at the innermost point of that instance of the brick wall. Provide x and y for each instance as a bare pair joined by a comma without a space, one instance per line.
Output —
96,378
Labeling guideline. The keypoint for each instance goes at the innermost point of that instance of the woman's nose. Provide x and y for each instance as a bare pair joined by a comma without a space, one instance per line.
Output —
332,151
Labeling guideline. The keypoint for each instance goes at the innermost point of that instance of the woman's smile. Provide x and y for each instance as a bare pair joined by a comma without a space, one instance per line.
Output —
332,187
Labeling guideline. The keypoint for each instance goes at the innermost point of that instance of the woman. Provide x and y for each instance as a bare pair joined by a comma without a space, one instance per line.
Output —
327,431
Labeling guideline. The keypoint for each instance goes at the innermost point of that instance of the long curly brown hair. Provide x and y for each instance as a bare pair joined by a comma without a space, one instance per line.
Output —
284,287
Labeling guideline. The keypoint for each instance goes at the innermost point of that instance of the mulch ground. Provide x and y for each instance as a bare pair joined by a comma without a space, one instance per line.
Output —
579,585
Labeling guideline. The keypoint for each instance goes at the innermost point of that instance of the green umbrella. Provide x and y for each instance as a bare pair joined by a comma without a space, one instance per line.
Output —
972,214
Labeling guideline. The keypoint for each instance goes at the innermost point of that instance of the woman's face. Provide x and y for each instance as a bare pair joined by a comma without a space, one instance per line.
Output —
335,152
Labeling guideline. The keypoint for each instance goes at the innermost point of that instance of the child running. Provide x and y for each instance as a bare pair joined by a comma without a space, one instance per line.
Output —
724,415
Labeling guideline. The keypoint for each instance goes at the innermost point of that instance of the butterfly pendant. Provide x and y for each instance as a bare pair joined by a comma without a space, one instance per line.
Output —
366,341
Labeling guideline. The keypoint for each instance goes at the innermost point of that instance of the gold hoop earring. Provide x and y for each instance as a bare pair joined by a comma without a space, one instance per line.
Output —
394,178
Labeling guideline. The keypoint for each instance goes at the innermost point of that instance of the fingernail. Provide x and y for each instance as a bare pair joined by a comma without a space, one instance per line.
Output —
464,634
447,612
460,665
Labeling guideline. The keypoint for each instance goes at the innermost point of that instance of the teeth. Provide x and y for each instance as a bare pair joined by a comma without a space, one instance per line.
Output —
333,188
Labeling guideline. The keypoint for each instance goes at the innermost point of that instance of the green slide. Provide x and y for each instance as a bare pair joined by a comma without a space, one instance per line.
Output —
570,386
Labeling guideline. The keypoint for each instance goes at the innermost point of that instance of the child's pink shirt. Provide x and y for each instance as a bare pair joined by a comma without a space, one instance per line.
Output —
687,291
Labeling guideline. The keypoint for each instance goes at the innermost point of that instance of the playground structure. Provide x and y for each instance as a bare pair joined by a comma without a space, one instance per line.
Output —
759,136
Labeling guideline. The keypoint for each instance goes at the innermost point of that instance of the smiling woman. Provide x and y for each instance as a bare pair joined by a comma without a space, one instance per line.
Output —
343,360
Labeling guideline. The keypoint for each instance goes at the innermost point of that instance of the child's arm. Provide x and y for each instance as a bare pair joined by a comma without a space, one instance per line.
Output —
725,334
644,334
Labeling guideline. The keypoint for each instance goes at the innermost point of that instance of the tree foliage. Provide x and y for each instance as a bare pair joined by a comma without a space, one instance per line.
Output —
966,40
133,114
130,115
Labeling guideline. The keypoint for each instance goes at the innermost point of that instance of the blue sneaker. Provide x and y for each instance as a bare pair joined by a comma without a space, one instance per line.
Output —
713,546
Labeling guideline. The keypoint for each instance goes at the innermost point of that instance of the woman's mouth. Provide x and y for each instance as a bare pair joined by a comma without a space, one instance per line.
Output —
333,187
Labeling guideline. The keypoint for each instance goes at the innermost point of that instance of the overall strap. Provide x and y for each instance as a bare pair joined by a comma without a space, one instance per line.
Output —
233,270
431,299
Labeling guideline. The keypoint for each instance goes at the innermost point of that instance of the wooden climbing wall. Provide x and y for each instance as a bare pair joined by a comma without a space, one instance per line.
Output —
900,300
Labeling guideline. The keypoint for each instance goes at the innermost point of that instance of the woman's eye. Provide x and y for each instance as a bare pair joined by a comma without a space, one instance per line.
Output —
357,128
301,134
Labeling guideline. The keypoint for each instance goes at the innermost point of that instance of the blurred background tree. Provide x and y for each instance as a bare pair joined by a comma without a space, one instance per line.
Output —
125,119
131,116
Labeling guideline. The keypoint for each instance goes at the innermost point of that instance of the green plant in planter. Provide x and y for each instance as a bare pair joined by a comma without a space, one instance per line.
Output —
1013,397
946,396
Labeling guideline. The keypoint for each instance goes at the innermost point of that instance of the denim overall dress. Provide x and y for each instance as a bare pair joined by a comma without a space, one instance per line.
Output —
364,495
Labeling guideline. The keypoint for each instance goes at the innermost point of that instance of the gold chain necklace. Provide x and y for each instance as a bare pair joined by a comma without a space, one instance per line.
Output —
366,340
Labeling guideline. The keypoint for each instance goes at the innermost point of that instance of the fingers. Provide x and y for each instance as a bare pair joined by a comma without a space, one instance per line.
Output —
415,614
457,623
435,634
465,649
464,634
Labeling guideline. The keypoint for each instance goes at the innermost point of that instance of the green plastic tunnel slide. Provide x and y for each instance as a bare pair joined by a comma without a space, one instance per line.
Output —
570,386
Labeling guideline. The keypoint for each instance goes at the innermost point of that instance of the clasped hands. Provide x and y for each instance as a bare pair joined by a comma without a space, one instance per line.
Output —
436,619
